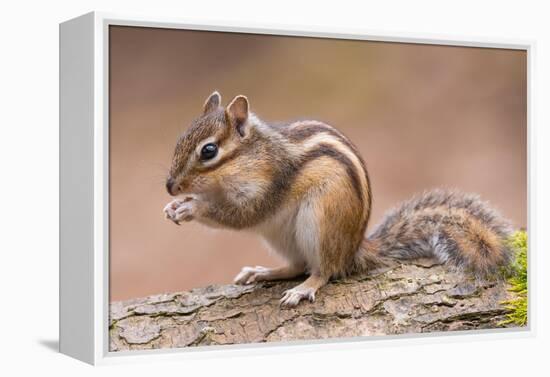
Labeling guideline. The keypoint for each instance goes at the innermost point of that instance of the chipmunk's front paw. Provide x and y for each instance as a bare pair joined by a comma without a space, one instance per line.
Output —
249,275
292,297
180,210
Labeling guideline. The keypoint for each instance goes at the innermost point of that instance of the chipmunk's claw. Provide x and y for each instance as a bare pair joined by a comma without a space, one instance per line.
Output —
292,297
179,210
251,275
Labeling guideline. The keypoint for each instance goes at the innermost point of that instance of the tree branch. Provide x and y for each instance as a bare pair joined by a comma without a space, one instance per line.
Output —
406,298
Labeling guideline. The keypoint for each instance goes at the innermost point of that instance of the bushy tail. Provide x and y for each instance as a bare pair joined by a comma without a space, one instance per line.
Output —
454,228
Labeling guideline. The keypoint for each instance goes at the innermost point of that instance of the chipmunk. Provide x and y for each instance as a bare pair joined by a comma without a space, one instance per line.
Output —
304,189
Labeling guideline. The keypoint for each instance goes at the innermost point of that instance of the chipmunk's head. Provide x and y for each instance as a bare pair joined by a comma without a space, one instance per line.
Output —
213,139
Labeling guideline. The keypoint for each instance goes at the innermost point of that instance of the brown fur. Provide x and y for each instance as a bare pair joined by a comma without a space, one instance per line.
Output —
304,187
456,228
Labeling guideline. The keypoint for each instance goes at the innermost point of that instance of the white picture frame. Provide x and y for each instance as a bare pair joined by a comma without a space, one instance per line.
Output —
84,186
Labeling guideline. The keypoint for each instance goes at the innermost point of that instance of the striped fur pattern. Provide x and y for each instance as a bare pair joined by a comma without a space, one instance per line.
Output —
304,188
458,229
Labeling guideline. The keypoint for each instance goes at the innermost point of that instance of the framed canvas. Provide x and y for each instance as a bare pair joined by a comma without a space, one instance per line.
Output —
254,188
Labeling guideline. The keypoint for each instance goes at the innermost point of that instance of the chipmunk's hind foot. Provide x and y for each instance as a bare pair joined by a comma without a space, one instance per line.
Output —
304,291
249,275
292,297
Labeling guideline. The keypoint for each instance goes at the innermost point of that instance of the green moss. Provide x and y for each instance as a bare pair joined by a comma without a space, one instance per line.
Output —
517,278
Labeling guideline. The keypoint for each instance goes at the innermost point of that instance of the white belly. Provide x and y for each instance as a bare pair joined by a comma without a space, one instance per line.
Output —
293,233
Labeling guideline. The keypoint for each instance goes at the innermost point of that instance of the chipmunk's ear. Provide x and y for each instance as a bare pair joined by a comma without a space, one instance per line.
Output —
237,114
212,103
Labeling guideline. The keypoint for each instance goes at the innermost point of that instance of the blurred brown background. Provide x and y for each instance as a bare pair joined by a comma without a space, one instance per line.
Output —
423,116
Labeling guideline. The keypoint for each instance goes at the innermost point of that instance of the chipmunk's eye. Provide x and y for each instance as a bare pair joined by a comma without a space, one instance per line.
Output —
209,151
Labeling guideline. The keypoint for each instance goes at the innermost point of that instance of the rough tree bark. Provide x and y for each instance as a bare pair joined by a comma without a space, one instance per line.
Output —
414,297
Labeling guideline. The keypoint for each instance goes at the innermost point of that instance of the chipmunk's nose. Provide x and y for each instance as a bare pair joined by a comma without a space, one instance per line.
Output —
170,186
